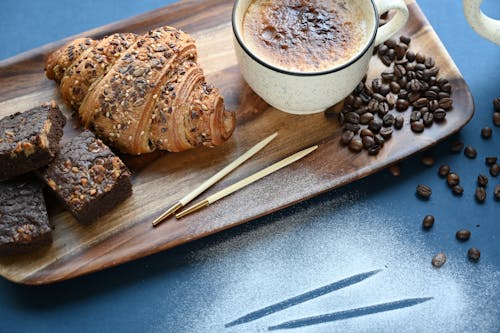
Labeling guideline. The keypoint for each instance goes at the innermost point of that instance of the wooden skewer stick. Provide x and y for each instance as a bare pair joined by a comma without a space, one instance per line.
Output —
214,179
247,181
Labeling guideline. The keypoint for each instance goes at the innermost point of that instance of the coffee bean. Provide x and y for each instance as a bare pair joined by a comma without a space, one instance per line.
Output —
388,120
495,170
395,170
452,179
434,71
373,106
386,60
378,97
374,150
405,39
439,260
367,141
424,191
352,117
375,125
457,190
490,160
414,96
439,115
496,118
414,85
365,96
382,49
456,146
399,70
428,160
402,104
379,139
356,145
352,127
442,94
365,132
431,94
429,62
420,67
386,133
391,43
376,85
480,194
415,116
417,126
410,55
395,87
403,93
391,99
387,76
420,58
446,103
482,180
428,222
434,105
365,118
420,103
496,192
470,152
385,89
400,50
428,118
444,170
474,254
346,137
399,121
496,104
383,108
486,132
463,235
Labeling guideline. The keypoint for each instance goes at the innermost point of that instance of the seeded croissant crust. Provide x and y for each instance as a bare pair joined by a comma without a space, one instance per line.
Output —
141,93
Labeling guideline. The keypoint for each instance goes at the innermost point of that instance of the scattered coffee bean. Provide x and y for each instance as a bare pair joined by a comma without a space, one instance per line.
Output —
402,104
439,260
495,170
486,132
474,254
443,170
365,132
457,190
356,145
406,40
346,137
496,118
439,115
386,133
367,141
395,170
415,116
428,222
463,235
453,179
399,122
490,160
480,194
428,160
496,192
417,126
428,118
470,152
374,150
375,125
388,120
482,180
496,104
456,146
365,118
379,139
424,191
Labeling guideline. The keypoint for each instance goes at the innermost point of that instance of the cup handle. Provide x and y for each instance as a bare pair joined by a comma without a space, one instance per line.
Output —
485,26
397,22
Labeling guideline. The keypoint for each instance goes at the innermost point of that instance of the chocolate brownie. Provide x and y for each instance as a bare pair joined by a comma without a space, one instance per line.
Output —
24,224
87,177
29,140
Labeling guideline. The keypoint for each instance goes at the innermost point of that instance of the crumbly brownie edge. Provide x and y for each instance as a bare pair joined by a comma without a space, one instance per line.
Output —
105,202
56,131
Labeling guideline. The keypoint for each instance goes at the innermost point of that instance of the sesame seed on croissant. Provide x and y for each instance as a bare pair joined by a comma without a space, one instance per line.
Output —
142,93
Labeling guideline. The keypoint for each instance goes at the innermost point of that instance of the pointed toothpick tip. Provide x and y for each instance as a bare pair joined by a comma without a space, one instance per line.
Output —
168,213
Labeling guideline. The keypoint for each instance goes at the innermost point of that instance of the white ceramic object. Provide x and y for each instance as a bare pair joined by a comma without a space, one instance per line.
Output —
485,26
312,92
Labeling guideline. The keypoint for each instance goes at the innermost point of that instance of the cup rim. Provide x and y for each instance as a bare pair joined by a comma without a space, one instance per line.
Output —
296,73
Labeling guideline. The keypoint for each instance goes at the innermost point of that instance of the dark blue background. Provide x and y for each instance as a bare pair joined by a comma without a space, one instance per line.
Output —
372,224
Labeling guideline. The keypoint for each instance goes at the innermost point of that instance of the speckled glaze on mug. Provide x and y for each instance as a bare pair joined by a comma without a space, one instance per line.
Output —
485,26
312,92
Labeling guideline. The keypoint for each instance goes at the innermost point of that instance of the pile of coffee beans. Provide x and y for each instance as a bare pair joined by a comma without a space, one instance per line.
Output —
371,112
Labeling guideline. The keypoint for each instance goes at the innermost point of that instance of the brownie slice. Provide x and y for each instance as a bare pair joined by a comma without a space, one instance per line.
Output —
29,140
88,177
24,224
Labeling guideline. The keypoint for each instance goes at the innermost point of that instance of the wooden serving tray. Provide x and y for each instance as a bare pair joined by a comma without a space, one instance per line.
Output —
161,179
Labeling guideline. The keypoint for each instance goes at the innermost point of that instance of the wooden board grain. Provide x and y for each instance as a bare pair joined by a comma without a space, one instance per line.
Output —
160,179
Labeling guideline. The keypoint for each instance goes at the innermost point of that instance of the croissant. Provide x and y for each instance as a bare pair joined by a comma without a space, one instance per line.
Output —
141,93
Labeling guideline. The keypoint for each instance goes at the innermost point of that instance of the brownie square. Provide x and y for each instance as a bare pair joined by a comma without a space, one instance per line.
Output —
87,177
29,140
24,224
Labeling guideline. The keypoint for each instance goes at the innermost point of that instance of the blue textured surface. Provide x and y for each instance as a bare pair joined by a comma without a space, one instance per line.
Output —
369,225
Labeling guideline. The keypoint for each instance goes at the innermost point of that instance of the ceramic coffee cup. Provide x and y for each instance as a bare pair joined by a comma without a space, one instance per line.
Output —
485,26
312,92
